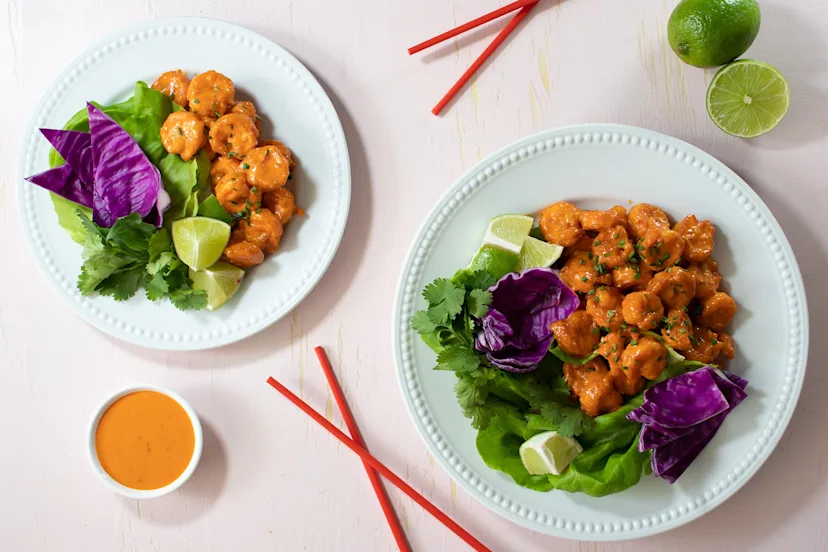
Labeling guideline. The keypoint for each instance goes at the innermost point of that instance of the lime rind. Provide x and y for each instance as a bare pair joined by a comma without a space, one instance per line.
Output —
200,241
748,98
549,453
220,282
538,254
508,232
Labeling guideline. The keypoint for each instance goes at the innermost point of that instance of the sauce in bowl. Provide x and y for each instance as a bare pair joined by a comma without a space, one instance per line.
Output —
145,440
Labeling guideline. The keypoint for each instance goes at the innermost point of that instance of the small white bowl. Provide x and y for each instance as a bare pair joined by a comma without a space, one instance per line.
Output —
138,493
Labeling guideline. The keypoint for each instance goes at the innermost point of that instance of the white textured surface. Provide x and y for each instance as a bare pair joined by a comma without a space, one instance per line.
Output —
287,97
269,479
597,166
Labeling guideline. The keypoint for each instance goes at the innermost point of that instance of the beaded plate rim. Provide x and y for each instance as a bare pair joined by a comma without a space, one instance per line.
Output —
616,136
92,309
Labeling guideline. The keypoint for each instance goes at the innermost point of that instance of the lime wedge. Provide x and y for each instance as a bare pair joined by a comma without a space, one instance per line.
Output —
748,98
508,232
221,281
495,261
549,452
538,254
200,241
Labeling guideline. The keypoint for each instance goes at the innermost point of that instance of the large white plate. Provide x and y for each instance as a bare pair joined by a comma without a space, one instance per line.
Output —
596,166
294,107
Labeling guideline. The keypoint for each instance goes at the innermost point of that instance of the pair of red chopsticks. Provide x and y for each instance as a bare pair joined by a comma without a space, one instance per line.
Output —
525,6
372,465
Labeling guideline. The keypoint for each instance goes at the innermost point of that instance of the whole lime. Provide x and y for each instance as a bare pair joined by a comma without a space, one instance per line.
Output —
709,33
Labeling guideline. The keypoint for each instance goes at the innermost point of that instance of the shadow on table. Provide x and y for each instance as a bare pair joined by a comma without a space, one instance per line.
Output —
328,292
791,43
792,478
196,496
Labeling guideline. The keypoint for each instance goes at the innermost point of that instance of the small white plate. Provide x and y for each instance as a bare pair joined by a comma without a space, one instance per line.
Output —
295,109
198,444
597,166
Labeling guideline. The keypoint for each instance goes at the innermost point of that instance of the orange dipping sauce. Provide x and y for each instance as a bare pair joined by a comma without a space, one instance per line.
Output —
145,440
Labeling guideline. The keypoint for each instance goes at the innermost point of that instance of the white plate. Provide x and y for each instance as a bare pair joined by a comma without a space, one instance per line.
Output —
287,97
597,166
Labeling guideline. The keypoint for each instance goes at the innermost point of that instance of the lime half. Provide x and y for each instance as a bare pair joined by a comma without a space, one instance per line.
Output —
221,281
200,241
508,232
538,254
748,98
549,452
497,262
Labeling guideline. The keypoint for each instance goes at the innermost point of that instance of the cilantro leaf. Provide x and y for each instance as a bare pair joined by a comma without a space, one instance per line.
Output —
458,358
445,300
478,279
471,390
480,416
552,400
131,254
98,267
159,243
122,285
422,323
156,287
188,299
478,302
130,234
162,262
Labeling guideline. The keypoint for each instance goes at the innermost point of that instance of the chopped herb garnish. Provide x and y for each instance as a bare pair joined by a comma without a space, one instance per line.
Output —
595,330
254,189
581,262
584,278
196,101
180,132
596,243
217,114
614,347
610,315
245,166
714,341
591,292
267,153
616,236
634,342
683,331
694,340
699,309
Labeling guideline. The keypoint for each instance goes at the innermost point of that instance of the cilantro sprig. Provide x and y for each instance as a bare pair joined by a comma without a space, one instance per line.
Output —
133,254
449,324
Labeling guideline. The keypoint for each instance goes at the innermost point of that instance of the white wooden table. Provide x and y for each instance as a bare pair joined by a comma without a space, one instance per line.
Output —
269,478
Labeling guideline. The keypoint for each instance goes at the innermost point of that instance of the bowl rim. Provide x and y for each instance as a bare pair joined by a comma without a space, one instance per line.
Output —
129,492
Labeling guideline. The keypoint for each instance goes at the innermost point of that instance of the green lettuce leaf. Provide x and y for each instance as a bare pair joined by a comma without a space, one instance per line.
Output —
211,208
142,117
609,464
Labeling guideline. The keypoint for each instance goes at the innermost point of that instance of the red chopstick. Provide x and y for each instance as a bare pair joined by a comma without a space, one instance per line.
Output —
345,410
470,25
501,36
377,465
